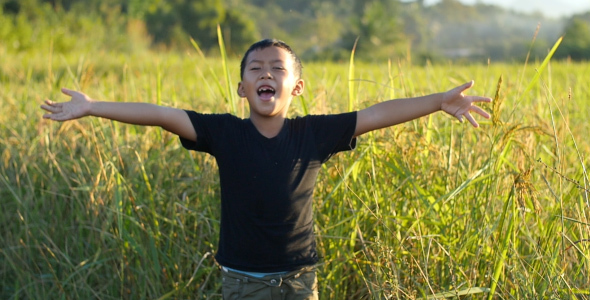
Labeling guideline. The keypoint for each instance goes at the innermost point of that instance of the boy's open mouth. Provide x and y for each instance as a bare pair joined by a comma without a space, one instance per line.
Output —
266,92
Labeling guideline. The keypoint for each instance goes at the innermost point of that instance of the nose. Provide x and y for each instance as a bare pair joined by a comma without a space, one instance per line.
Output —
265,75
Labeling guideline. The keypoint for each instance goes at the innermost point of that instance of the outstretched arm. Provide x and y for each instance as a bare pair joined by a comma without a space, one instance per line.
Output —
393,112
80,105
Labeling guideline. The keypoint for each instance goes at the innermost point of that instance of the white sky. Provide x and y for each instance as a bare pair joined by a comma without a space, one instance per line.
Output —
550,8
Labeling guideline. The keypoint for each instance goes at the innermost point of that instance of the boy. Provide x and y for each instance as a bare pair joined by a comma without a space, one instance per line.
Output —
268,164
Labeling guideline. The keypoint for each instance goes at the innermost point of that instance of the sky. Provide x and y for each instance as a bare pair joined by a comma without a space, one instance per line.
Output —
549,8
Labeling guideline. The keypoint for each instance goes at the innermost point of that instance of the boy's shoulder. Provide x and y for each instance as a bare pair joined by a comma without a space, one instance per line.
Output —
227,119
338,117
212,117
325,123
326,116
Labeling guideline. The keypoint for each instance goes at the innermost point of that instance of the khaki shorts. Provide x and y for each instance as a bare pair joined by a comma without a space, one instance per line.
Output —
297,285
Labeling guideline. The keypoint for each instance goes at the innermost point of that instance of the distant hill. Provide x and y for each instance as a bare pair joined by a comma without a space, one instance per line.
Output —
327,29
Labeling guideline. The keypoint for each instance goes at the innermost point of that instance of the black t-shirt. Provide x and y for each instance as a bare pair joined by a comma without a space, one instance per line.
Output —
267,185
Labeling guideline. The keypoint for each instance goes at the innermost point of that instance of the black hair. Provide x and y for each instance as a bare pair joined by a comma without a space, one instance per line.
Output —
263,44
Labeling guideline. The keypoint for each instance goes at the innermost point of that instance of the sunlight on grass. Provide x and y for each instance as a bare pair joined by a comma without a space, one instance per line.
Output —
430,209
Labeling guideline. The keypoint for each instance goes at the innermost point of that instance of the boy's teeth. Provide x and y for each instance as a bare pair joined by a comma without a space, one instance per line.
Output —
265,90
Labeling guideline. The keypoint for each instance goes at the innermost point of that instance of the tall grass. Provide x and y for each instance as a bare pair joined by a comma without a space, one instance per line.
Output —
93,209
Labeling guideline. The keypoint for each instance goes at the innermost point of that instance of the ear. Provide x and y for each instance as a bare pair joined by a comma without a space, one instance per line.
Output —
298,89
241,91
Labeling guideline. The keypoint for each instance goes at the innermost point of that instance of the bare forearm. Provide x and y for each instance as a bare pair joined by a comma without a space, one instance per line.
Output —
80,105
393,112
171,119
397,111
131,113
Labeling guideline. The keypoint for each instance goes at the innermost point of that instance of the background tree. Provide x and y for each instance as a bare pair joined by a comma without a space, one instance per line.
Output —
172,22
377,25
238,31
326,29
576,41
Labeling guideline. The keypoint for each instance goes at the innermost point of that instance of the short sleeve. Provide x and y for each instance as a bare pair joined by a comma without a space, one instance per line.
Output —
334,133
206,126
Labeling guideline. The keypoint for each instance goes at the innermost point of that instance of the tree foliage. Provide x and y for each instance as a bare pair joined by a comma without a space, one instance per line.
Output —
576,41
327,29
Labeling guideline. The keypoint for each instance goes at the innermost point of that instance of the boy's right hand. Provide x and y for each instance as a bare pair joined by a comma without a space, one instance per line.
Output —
457,104
77,107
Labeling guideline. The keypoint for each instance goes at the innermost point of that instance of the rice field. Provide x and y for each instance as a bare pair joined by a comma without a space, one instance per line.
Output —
431,209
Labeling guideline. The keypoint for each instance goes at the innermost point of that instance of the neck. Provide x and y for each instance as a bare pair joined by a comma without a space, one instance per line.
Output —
268,126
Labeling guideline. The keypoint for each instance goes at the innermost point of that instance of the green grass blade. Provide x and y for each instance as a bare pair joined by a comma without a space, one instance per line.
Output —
543,65
230,97
351,79
465,292
222,92
505,242
304,105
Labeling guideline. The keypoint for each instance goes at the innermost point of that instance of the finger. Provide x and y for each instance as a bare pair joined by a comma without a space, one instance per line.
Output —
471,120
480,111
479,99
48,116
67,91
51,108
466,86
57,116
51,103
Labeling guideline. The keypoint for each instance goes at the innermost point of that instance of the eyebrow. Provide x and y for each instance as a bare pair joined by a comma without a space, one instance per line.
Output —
261,61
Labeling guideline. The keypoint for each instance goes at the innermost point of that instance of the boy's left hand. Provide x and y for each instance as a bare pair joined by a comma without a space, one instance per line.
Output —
459,105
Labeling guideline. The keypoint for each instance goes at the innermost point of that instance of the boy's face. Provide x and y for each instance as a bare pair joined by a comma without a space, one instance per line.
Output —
269,82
